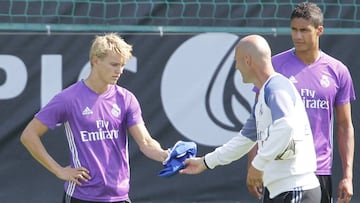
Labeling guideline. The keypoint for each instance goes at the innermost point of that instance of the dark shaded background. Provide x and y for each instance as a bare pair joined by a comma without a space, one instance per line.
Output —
25,181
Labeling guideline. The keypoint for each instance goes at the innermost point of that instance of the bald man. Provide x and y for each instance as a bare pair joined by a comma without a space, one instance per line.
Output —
285,161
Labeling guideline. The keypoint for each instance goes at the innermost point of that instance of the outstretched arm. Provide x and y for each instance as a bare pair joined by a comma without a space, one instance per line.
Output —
149,146
194,166
233,150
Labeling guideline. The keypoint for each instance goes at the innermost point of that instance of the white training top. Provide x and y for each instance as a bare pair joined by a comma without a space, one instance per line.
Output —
280,126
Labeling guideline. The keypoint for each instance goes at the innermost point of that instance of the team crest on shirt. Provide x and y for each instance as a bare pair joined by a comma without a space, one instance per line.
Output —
324,81
115,111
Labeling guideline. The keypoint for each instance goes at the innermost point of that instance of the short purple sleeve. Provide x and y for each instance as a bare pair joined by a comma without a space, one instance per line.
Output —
346,91
52,113
134,113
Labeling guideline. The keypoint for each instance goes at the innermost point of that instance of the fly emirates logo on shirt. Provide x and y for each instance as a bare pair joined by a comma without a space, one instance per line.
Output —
103,132
308,97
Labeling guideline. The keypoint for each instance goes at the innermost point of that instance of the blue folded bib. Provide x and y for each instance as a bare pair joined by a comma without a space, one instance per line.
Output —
177,155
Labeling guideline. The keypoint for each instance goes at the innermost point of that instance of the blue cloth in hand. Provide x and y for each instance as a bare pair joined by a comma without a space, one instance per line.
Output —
177,155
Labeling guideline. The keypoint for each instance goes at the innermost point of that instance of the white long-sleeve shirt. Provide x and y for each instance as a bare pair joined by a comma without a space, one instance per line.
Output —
280,126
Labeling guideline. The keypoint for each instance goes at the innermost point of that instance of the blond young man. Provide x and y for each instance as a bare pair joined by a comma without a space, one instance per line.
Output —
96,114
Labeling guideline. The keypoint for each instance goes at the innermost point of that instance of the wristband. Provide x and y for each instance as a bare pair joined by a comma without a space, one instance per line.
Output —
205,163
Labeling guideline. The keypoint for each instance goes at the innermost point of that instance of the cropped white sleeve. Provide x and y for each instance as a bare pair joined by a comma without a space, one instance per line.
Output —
233,150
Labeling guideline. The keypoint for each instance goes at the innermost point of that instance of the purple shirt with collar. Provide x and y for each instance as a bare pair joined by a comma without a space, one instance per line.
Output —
95,126
322,85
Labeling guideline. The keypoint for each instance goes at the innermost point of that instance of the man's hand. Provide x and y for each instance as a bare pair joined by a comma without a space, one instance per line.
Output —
194,165
345,191
74,174
254,182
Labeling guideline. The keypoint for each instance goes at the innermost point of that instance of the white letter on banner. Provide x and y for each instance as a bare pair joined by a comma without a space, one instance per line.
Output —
15,76
51,77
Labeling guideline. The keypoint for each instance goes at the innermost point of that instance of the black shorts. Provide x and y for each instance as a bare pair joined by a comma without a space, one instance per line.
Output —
67,199
326,188
296,196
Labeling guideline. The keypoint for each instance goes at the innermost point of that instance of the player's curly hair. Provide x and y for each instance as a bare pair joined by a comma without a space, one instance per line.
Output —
308,11
111,42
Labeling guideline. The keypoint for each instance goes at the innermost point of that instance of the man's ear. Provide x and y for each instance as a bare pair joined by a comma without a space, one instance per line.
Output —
320,30
247,60
94,60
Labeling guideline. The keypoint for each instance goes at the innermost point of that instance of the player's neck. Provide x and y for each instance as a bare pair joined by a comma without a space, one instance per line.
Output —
96,86
308,57
263,76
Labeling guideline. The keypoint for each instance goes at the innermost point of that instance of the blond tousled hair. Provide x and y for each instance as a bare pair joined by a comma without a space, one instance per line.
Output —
110,42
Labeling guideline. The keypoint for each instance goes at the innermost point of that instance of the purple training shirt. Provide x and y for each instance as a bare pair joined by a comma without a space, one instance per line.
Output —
322,85
95,127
